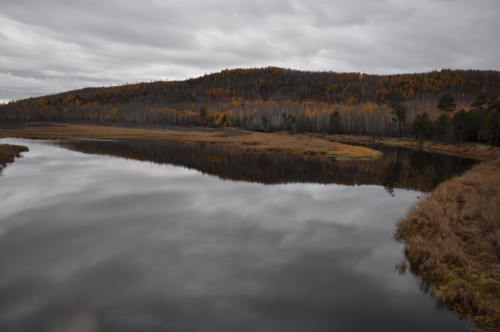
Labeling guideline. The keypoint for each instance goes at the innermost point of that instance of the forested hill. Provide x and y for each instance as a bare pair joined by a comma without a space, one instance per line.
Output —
268,99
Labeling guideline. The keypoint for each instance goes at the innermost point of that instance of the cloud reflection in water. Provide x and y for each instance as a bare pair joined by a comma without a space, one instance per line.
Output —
109,244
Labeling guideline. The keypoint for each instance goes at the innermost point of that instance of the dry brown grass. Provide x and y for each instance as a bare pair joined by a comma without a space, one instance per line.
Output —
8,153
253,141
468,150
452,240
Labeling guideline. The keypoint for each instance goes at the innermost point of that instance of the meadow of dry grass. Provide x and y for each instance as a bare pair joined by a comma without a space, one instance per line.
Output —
452,240
467,150
252,141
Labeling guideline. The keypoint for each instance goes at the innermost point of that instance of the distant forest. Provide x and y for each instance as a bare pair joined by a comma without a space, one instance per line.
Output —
448,105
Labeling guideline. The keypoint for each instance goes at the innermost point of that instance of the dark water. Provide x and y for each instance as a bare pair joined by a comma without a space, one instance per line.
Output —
92,242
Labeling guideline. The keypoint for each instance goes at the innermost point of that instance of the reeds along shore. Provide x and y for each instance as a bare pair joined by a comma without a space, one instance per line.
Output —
8,153
296,144
452,241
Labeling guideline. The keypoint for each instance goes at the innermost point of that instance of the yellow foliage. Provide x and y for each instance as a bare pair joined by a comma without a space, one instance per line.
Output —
112,114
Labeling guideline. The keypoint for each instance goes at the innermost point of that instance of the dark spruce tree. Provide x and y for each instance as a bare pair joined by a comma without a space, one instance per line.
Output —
422,126
398,111
446,103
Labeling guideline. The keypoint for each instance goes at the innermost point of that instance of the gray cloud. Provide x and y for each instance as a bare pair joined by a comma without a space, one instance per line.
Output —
54,46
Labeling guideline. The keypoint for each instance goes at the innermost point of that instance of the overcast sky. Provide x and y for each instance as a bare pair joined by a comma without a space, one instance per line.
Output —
57,45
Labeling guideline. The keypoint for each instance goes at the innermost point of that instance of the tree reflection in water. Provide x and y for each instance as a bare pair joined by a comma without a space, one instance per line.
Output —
397,168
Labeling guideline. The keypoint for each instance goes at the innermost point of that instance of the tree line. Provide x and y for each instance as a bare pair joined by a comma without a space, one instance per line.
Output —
479,123
272,98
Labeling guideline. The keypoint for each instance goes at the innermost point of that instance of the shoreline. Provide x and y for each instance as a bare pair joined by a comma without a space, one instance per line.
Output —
476,151
295,144
302,143
452,242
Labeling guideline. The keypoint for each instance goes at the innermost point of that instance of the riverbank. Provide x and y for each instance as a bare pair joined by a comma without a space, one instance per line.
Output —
467,150
299,144
452,241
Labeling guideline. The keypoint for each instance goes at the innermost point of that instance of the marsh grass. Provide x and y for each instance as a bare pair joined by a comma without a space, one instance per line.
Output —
282,142
8,153
452,240
468,150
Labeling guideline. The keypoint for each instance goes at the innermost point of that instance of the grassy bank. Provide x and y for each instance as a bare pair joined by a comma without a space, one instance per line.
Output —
452,237
252,141
452,240
467,150
8,153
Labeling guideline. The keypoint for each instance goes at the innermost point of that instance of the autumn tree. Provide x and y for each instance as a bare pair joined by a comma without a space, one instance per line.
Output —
112,114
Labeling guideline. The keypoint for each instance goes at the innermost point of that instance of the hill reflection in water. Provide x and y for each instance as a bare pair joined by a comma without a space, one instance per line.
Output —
397,168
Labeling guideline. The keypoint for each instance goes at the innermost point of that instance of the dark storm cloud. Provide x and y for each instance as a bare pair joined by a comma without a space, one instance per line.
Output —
50,46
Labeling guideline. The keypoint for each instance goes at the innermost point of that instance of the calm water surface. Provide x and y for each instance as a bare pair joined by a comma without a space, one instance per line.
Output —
93,242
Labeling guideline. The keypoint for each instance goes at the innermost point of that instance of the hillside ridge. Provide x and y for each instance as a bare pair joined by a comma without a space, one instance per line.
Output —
271,98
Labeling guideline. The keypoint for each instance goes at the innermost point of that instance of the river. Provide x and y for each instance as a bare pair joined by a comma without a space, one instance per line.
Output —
161,236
